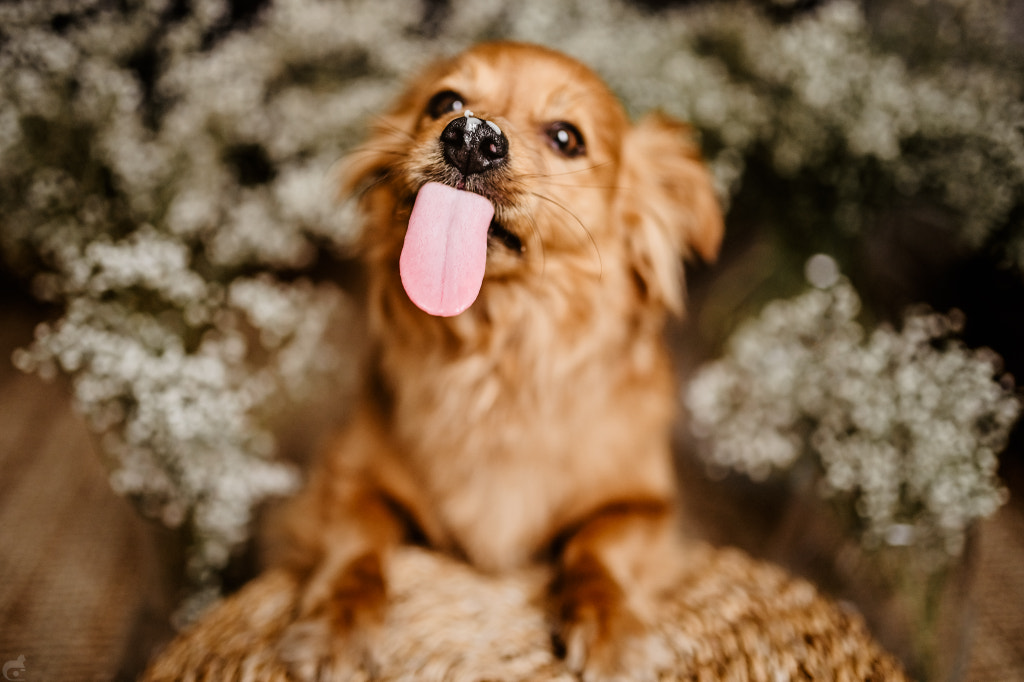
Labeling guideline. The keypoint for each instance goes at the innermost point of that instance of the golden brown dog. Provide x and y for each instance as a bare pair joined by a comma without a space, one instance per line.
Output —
524,245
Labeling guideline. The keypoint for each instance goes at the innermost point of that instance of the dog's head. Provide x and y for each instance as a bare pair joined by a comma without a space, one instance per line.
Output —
513,166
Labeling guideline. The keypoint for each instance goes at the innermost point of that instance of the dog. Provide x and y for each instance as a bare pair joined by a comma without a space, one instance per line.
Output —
523,243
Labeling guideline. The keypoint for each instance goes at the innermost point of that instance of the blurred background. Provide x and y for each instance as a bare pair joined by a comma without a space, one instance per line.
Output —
181,316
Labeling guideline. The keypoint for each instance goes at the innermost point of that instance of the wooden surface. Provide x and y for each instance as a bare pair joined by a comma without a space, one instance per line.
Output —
86,585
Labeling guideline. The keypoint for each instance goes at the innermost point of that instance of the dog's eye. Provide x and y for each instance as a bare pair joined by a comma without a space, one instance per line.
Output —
445,102
566,139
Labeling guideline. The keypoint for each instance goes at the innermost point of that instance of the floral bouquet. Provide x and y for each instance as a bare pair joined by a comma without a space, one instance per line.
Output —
905,426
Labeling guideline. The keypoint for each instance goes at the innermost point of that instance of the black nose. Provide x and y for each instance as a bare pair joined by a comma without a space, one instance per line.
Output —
474,145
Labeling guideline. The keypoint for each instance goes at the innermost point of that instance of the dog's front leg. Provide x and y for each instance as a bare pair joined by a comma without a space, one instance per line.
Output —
340,533
608,576
342,602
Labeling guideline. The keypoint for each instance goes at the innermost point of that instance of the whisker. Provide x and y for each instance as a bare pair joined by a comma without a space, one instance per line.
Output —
574,171
590,236
383,124
378,179
608,188
383,151
535,228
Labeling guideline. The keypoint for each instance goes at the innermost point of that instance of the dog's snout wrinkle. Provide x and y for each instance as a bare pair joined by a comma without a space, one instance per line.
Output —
473,145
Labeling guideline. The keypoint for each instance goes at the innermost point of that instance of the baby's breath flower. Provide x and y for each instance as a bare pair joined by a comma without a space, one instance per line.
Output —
905,425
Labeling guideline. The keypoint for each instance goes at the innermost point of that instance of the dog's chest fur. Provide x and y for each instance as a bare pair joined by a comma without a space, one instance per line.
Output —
523,432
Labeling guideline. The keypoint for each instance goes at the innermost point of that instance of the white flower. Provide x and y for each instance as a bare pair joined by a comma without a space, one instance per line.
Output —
906,425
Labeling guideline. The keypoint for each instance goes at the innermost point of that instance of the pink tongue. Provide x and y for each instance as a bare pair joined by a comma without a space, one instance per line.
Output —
445,250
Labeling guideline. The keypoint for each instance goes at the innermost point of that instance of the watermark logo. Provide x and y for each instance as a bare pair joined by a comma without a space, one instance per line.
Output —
15,670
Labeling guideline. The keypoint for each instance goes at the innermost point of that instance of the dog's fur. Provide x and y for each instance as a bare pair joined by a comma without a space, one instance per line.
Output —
535,425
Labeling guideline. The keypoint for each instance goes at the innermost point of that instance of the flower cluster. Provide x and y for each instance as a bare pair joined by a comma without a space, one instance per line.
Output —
825,97
906,426
148,166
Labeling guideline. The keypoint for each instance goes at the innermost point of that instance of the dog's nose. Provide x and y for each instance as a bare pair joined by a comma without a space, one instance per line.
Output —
474,145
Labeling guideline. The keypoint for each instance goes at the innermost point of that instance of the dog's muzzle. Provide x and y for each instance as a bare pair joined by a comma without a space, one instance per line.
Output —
473,145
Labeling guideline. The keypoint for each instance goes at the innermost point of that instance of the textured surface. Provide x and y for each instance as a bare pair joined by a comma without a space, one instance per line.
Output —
997,652
85,588
729,618
85,584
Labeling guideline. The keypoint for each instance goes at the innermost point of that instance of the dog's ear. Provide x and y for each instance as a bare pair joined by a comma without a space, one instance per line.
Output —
667,206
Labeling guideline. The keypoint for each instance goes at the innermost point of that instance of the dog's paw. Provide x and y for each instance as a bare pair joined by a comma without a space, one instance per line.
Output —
338,621
615,647
316,650
603,638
